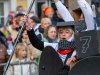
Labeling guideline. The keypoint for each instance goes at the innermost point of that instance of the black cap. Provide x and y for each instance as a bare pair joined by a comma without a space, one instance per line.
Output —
75,25
35,19
70,24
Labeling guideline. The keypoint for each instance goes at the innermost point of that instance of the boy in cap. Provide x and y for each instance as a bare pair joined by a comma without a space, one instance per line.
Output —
56,57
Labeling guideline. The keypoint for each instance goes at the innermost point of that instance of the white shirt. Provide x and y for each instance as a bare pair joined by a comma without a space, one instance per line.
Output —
88,14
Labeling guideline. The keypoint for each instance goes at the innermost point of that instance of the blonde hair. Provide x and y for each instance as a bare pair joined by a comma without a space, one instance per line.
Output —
69,29
45,19
17,49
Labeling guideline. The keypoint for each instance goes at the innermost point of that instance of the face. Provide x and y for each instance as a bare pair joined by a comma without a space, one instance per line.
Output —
32,23
22,53
45,24
64,34
20,20
25,36
49,14
52,33
21,9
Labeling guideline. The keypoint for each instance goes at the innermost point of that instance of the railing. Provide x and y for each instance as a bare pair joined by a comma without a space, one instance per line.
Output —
32,68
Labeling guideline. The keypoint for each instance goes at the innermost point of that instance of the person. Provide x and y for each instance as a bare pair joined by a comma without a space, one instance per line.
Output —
19,22
20,9
34,22
58,16
50,34
21,55
33,52
63,11
50,63
3,51
88,16
45,22
43,7
50,13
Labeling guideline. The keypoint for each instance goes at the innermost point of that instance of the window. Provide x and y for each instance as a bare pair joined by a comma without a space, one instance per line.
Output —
1,14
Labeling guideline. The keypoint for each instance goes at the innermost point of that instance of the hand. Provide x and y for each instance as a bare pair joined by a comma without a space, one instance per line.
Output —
28,27
70,60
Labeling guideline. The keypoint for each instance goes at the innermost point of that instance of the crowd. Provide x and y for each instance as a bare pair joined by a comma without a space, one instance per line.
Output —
41,33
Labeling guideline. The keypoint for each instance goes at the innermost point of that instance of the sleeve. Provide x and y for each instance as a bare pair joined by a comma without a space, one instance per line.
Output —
64,12
35,41
88,14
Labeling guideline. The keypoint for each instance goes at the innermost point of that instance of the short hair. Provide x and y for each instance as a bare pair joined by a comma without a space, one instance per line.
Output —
35,19
19,7
45,19
70,29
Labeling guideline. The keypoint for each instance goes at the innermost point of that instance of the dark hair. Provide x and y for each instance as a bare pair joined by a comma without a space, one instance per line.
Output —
35,19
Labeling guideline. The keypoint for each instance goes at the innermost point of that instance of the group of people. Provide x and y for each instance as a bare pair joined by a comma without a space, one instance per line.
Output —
51,35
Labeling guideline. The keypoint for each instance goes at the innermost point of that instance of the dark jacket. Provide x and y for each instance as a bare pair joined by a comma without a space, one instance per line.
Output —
50,62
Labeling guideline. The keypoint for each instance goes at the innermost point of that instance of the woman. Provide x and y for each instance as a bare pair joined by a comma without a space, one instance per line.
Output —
33,52
21,55
50,34
45,22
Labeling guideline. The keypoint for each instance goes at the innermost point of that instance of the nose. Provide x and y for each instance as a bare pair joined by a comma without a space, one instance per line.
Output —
63,34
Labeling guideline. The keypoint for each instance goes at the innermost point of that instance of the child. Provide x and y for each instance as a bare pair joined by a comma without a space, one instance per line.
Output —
21,55
64,49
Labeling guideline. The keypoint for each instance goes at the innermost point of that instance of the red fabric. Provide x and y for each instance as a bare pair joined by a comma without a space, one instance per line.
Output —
64,52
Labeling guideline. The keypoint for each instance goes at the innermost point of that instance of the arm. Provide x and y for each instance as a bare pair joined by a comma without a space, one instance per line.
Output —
63,11
34,40
88,14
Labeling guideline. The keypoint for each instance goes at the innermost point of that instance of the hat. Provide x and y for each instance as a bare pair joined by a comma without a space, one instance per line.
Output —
75,25
48,9
35,19
71,24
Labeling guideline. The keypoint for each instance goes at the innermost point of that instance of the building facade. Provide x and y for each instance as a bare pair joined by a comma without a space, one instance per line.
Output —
10,5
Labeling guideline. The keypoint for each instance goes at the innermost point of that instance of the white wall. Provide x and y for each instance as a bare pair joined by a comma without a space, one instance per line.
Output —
13,5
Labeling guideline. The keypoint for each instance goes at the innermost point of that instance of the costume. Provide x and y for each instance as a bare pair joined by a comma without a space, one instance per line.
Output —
51,61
